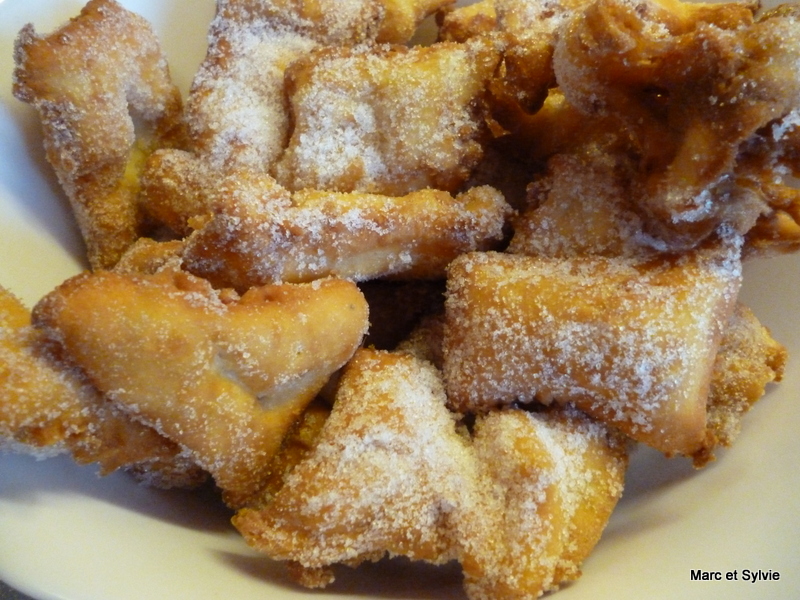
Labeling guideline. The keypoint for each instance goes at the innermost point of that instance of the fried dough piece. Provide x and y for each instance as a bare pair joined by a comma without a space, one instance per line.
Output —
334,22
88,80
387,457
326,21
530,28
583,205
630,342
693,84
237,110
584,214
748,360
223,376
581,208
458,24
174,188
574,467
48,408
392,473
260,233
344,100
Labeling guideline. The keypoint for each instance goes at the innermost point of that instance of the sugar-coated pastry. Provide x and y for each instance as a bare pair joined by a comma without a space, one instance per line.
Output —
631,342
696,86
236,109
48,407
261,233
344,100
220,375
87,80
520,502
748,360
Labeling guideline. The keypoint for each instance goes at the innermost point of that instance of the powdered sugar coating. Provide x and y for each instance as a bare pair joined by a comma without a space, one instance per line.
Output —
236,109
345,101
633,345
222,376
261,233
48,407
392,473
87,80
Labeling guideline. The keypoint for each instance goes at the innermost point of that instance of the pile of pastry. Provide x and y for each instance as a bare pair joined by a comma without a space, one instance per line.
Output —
409,299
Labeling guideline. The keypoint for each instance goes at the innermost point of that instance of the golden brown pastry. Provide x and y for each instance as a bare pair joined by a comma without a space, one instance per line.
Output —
222,376
581,208
748,360
174,191
236,109
777,230
343,101
695,85
631,342
638,150
260,233
519,503
88,80
47,407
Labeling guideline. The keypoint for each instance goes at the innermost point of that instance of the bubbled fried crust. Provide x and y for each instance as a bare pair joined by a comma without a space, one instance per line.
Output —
695,85
86,80
47,406
749,359
391,472
631,342
222,376
344,100
236,107
261,233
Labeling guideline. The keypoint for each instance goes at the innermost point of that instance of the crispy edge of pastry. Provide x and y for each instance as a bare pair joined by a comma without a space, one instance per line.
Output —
748,360
48,407
630,342
260,233
560,476
389,441
88,80
221,375
392,472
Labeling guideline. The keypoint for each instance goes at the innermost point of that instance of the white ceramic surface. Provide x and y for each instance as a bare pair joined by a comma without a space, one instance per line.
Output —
67,534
